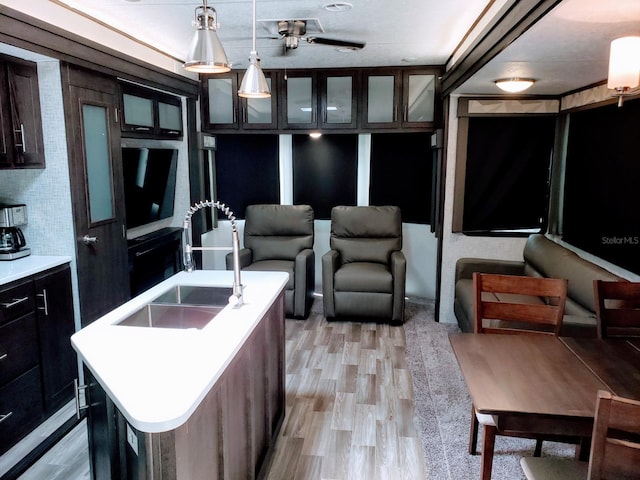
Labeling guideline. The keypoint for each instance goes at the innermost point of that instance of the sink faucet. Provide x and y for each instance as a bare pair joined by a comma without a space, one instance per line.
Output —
236,296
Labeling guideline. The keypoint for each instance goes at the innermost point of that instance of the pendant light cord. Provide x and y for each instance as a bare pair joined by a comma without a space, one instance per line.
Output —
254,25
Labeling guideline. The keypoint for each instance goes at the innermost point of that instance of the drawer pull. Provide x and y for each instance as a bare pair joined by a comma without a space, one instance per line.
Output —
45,303
17,301
76,391
3,356
5,416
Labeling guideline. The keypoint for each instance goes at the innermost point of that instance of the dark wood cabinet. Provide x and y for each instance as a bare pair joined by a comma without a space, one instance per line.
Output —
150,114
21,140
344,99
299,101
338,99
223,109
54,312
219,101
38,362
153,258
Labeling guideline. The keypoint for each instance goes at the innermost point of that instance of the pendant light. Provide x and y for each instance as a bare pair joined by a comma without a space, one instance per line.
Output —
254,84
206,54
624,66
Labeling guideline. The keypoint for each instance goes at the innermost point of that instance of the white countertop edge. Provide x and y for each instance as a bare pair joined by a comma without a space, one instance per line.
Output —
11,270
136,389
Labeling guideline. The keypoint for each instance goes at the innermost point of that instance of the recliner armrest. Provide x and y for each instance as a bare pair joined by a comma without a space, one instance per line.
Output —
465,267
330,263
245,255
399,273
304,268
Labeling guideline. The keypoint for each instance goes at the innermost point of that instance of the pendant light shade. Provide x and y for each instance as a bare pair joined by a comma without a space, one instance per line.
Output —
254,84
624,66
206,54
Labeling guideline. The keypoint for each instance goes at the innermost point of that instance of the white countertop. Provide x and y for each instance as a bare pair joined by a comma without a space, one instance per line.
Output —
158,376
11,270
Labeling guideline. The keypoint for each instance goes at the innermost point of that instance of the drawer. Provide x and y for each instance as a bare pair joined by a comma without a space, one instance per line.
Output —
16,301
18,347
20,408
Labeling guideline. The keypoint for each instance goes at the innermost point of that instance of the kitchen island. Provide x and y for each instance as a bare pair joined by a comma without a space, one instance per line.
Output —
187,403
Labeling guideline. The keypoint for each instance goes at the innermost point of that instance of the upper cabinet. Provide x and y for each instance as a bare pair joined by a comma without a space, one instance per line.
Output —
399,98
381,99
21,140
223,109
376,99
149,113
299,100
338,99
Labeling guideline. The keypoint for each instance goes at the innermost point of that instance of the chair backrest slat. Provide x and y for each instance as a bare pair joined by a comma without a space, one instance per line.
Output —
540,309
617,308
615,445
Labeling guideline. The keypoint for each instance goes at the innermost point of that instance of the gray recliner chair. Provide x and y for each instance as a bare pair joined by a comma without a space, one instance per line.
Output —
364,273
280,238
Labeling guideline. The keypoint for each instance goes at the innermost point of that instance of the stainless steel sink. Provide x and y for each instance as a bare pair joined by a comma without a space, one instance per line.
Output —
172,316
195,295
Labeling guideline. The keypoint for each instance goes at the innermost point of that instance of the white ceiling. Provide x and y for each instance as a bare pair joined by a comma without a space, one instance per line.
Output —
565,51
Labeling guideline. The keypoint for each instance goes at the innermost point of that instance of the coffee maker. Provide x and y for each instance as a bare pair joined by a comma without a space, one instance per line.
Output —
12,242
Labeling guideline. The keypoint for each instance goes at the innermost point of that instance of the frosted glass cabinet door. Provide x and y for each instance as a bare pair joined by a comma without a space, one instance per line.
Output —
170,118
138,112
338,102
221,101
98,159
260,112
301,100
382,100
419,98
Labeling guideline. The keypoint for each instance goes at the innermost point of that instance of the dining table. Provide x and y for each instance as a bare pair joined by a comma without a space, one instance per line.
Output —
544,384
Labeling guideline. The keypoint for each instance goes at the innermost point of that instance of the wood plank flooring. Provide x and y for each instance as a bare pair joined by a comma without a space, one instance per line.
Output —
349,409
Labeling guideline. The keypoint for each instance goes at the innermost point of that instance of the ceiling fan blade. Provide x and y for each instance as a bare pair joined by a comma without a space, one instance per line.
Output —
335,42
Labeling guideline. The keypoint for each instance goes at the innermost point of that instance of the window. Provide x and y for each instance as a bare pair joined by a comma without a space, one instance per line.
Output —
246,171
600,213
401,166
507,174
324,172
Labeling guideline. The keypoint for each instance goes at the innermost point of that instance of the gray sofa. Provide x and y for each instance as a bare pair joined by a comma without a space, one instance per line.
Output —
542,257
280,238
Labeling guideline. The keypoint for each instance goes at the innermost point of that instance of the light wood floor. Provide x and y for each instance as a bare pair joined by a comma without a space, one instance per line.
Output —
349,409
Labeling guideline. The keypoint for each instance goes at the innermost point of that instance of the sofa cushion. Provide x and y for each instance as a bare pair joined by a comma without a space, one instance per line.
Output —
546,258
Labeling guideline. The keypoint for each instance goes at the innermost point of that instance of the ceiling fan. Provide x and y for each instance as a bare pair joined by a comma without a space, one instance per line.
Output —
292,31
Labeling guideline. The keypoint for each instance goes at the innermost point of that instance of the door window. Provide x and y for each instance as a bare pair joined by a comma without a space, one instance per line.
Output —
98,162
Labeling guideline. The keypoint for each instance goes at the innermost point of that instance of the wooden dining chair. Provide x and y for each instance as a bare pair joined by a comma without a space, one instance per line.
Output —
511,304
617,308
615,446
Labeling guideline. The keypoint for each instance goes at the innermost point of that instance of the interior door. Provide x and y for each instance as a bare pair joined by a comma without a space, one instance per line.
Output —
97,192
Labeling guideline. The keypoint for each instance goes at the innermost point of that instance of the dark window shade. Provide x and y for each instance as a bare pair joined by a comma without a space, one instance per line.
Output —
401,170
325,172
246,171
507,173
602,178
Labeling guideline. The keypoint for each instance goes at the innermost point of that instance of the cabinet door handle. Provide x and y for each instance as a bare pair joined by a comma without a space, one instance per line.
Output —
45,303
76,390
15,302
22,143
3,356
5,416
